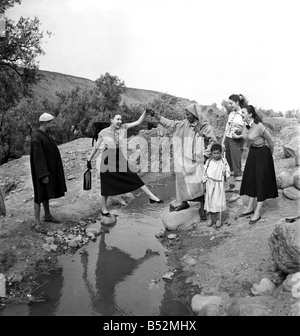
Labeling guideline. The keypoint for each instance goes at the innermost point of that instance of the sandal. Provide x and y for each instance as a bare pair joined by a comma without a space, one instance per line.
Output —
38,228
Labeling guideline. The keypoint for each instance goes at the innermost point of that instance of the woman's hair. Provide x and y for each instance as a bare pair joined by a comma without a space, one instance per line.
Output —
255,116
239,98
216,146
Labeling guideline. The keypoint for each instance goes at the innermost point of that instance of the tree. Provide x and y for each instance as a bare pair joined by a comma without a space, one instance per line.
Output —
110,89
19,50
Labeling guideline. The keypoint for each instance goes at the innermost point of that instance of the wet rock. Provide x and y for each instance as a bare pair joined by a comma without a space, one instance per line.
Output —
265,287
291,193
292,283
172,236
108,220
284,243
78,238
284,180
200,301
168,276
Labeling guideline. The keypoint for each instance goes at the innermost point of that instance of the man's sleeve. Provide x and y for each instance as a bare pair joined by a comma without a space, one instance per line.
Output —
210,137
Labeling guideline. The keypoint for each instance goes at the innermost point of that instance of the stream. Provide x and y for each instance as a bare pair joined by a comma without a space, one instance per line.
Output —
120,274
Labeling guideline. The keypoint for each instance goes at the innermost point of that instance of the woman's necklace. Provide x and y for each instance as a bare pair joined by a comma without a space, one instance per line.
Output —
116,135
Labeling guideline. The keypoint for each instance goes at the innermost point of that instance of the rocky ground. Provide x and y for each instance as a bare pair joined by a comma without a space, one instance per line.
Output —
224,263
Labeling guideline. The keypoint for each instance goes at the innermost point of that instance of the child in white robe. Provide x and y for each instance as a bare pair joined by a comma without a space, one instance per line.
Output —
216,171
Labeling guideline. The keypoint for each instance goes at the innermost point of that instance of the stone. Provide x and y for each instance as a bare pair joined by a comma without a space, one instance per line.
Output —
210,310
46,247
284,243
200,301
291,193
284,180
49,240
73,243
174,220
109,220
265,287
295,309
292,283
296,181
94,230
172,236
292,149
168,276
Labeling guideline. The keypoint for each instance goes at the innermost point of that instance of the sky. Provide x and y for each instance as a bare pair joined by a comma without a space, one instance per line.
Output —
203,50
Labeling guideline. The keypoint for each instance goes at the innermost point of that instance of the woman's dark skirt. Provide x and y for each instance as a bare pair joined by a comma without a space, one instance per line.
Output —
259,179
116,175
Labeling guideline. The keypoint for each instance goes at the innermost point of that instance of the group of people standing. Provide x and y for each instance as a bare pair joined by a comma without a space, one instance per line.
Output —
206,164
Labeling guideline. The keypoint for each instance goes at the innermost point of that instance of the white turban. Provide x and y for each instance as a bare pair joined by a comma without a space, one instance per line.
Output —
46,117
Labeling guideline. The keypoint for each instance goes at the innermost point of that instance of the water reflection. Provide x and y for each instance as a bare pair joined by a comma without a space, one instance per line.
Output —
112,267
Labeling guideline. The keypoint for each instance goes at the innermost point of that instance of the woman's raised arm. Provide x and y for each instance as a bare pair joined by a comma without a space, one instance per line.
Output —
137,122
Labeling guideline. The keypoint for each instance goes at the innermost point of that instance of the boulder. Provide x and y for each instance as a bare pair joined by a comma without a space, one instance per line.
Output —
292,149
200,301
265,287
174,220
284,180
284,243
291,193
210,310
292,284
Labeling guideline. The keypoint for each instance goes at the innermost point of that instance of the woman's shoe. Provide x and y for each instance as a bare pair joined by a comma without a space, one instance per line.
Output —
106,214
246,214
251,222
182,206
152,201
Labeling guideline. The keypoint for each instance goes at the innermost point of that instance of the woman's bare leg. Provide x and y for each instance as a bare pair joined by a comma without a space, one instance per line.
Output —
149,193
103,203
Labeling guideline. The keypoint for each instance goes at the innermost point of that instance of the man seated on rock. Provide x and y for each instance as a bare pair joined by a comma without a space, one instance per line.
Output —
192,139
46,170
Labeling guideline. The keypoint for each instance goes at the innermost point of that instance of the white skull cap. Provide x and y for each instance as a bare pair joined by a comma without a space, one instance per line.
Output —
46,117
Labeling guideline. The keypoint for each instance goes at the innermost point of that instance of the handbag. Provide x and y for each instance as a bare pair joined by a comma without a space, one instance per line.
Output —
87,180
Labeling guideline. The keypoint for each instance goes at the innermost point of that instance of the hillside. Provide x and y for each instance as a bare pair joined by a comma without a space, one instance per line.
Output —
52,82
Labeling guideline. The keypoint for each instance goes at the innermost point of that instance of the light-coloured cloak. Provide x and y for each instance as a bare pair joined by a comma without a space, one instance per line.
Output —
191,143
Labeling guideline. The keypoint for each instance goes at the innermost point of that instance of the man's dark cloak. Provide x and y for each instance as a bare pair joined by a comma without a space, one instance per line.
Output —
45,160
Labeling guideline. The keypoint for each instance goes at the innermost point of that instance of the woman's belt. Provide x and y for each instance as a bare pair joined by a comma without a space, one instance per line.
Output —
255,146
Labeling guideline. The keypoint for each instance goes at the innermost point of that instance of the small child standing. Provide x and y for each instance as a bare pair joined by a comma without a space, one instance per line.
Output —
216,170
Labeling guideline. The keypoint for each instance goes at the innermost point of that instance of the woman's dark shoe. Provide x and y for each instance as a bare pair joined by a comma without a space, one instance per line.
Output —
106,214
152,201
182,206
246,214
253,221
